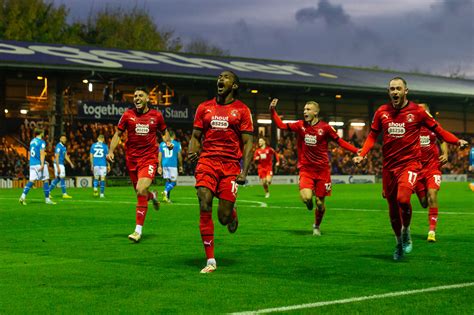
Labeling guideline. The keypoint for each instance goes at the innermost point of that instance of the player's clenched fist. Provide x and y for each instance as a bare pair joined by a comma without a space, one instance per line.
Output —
110,157
357,159
273,103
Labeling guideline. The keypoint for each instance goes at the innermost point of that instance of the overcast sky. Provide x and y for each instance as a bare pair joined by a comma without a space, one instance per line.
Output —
429,36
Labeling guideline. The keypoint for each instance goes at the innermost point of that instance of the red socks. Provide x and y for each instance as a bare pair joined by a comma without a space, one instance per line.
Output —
319,214
206,226
142,208
433,218
404,195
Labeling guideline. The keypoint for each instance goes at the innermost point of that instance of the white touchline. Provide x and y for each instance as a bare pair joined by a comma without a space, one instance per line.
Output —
355,299
260,205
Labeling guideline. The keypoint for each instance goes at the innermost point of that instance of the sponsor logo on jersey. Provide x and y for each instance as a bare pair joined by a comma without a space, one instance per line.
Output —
396,129
425,141
310,140
142,129
220,122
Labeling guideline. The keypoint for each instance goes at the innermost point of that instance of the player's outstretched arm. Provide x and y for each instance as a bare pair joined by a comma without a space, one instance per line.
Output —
275,116
113,144
347,146
247,139
194,145
368,144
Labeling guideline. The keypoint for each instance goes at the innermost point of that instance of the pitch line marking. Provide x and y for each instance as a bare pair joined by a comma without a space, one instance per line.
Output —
355,299
260,205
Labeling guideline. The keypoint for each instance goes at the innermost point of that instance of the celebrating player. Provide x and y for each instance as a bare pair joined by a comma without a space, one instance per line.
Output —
170,161
313,161
429,177
60,155
401,121
142,124
222,135
263,156
38,167
99,164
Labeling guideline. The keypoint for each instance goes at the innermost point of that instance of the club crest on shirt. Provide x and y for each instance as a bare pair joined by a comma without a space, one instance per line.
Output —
152,121
320,132
220,122
142,129
310,140
396,129
234,112
410,117
424,141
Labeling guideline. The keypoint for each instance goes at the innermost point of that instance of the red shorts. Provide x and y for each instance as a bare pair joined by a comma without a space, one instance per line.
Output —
318,182
218,177
264,172
428,179
140,168
401,177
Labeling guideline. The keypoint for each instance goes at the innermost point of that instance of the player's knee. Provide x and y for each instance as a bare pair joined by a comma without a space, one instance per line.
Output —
224,219
306,198
320,204
424,202
404,201
142,191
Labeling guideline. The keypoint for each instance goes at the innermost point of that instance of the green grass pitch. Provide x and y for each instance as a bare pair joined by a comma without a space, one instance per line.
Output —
75,257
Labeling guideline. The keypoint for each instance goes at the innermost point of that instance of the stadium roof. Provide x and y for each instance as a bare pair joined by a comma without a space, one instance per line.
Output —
178,65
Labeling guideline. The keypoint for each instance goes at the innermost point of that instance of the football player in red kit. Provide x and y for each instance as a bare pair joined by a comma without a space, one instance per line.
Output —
263,156
429,178
313,161
400,121
222,136
141,124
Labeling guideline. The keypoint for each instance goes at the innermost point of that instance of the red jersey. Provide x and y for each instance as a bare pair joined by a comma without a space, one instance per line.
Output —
429,149
222,127
141,132
313,144
265,157
401,133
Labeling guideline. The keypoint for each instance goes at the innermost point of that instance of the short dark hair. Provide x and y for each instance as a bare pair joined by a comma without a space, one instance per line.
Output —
142,88
236,81
236,77
401,79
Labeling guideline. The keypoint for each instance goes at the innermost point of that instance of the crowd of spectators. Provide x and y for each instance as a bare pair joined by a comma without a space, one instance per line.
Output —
82,135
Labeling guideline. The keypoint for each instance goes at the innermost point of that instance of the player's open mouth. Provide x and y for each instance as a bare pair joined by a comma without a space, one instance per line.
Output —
395,98
220,86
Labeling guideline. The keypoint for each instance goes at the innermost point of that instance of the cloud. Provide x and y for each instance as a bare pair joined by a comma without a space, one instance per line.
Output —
431,36
333,15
